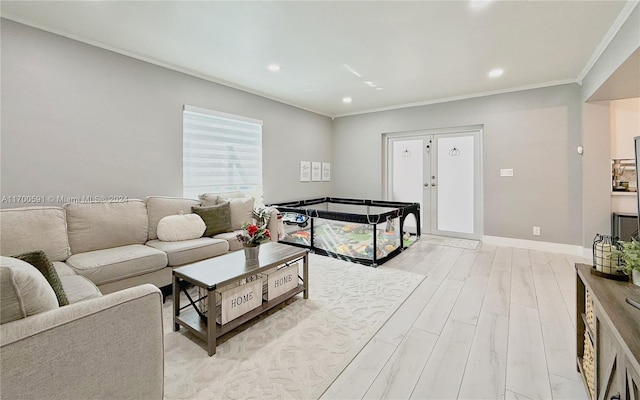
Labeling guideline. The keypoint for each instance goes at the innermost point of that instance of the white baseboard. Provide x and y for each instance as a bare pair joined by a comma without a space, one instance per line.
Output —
574,250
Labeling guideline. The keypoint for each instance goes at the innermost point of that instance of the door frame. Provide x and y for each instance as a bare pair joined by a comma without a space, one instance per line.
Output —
387,173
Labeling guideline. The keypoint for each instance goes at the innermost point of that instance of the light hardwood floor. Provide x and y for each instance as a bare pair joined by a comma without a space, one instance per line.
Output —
491,323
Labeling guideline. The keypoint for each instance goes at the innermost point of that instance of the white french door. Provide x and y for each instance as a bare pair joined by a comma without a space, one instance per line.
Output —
442,171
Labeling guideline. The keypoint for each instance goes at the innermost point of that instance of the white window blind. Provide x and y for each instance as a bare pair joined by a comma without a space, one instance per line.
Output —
220,153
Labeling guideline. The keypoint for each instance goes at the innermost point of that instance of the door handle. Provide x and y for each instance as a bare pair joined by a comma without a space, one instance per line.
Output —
426,184
433,184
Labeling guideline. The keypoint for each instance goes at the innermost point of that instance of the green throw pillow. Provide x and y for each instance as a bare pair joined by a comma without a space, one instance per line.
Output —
39,260
217,218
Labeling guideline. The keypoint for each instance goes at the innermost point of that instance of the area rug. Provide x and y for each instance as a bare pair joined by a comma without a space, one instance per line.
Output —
297,350
450,242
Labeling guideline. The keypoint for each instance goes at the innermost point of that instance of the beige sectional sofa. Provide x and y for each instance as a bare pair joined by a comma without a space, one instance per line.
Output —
107,342
115,245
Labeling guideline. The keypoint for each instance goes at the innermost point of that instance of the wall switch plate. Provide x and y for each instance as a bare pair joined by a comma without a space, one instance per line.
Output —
536,231
506,172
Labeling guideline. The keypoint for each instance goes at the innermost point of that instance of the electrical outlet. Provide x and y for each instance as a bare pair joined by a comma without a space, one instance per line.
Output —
536,231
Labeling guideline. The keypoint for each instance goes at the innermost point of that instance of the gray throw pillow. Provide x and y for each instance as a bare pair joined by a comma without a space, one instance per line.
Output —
39,260
217,218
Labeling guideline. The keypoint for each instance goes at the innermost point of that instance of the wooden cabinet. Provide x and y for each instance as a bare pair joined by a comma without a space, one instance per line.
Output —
607,336
610,369
632,384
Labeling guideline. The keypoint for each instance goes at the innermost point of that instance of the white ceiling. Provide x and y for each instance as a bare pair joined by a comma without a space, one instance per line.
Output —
416,52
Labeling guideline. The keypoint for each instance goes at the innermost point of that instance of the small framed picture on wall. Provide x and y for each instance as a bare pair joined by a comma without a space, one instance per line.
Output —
316,171
326,171
305,171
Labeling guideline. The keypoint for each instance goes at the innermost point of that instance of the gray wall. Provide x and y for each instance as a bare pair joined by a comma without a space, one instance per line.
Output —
535,132
79,120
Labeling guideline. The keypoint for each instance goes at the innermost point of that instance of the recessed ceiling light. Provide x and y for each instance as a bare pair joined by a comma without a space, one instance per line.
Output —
494,73
369,83
347,100
378,88
273,67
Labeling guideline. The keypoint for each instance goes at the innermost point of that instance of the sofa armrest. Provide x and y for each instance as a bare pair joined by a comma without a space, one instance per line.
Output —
107,347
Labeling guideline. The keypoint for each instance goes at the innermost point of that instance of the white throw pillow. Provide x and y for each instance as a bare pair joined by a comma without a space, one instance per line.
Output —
24,291
173,228
241,211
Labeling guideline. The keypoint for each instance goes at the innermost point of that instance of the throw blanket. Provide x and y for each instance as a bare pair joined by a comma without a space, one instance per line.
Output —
263,216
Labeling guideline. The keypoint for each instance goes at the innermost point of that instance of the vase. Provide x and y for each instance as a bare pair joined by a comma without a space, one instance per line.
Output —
251,253
635,277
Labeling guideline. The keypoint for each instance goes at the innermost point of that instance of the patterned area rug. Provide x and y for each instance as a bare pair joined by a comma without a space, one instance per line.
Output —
295,351
451,242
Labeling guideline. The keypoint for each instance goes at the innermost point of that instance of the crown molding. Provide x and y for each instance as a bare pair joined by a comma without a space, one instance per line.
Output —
462,97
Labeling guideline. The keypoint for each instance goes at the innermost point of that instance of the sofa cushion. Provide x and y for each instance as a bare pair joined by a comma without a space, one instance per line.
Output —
217,218
159,207
173,228
97,226
211,199
79,288
40,261
23,291
241,211
34,228
63,269
103,266
188,251
231,238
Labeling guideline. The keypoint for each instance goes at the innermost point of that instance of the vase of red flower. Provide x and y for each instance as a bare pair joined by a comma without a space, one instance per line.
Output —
251,239
251,253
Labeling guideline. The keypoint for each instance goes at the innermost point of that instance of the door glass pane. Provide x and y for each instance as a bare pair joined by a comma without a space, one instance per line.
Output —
455,179
407,176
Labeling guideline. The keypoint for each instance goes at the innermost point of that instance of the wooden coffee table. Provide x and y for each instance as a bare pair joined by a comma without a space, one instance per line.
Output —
222,270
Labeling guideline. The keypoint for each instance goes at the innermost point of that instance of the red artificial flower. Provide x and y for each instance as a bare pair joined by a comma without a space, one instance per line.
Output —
252,229
253,235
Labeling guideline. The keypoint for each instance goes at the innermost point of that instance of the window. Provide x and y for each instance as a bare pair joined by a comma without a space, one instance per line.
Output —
220,153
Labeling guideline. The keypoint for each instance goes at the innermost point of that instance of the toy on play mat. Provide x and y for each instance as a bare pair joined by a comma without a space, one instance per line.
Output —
295,219
360,229
356,240
300,237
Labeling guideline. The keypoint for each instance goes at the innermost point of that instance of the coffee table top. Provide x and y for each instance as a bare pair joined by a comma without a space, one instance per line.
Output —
229,267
